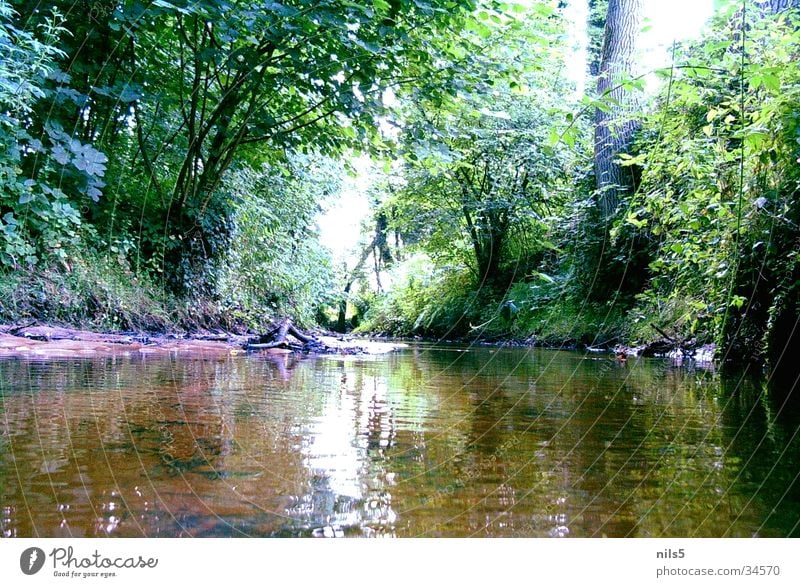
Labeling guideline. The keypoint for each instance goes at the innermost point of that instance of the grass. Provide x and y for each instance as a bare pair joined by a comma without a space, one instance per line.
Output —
91,291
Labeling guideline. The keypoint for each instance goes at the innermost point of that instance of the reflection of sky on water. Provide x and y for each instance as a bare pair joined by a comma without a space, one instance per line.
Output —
342,452
332,449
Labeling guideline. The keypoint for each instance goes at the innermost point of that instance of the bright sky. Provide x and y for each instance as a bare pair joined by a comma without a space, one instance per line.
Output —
669,20
666,21
340,225
676,19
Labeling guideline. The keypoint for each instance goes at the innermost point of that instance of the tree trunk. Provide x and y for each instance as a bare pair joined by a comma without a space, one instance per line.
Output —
488,250
341,322
614,129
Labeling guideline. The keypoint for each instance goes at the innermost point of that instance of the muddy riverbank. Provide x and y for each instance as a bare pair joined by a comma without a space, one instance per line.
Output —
57,341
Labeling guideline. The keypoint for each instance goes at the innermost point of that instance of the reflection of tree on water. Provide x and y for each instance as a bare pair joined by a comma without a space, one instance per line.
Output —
381,433
526,419
761,448
322,506
148,446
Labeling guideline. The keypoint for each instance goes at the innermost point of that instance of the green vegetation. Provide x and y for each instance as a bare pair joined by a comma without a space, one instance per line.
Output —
718,207
704,247
156,133
164,163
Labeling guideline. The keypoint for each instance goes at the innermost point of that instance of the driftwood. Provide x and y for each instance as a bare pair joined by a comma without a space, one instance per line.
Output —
51,333
662,333
286,337
279,336
670,346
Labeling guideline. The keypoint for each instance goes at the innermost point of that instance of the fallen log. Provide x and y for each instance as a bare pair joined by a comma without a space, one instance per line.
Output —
664,334
262,346
279,336
285,333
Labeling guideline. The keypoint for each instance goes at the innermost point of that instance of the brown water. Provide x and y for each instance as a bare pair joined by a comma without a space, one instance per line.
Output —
452,441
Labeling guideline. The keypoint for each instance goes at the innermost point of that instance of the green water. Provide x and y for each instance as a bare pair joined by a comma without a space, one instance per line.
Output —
454,441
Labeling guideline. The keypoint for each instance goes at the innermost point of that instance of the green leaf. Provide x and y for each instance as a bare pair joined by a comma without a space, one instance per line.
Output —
632,219
545,244
604,104
771,82
543,9
171,6
569,136
90,160
60,154
756,139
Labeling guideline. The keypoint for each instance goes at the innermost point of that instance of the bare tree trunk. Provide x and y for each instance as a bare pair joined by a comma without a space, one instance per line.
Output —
614,129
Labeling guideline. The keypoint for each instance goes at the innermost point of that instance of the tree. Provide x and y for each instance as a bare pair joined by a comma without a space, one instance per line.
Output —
182,90
614,125
481,172
263,77
274,264
482,179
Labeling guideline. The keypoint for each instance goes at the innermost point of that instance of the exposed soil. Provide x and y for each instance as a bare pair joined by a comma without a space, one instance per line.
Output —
58,342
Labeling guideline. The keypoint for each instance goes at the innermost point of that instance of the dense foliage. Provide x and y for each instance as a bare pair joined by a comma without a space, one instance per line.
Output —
274,263
718,203
483,183
704,250
124,120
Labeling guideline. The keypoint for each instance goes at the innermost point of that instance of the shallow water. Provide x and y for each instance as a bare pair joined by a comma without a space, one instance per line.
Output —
447,441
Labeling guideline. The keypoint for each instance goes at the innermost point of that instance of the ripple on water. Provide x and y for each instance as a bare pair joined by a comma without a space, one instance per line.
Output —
427,442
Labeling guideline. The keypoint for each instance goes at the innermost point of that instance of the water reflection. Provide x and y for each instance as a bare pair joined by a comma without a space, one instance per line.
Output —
427,442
